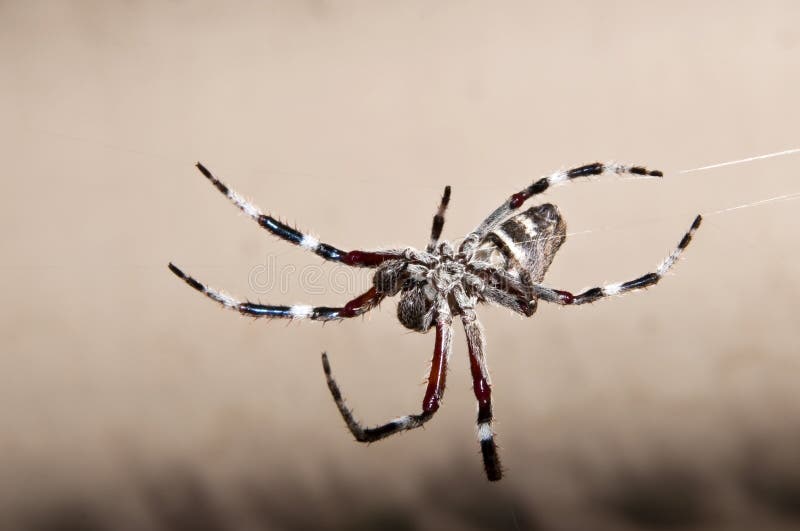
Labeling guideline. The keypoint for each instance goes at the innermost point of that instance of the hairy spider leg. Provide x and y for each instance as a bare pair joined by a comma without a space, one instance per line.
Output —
537,187
503,289
433,393
510,298
483,394
292,235
358,306
438,220
644,281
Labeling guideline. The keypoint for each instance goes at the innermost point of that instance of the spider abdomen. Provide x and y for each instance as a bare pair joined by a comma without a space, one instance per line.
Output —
527,242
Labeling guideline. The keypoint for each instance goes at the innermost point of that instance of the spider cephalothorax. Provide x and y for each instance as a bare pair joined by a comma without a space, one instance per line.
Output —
503,261
432,275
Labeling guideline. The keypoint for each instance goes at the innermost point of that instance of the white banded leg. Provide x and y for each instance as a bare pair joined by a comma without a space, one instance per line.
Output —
357,306
483,394
650,279
433,393
537,187
292,235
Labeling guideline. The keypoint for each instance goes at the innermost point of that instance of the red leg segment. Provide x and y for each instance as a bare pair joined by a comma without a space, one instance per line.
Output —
433,393
483,394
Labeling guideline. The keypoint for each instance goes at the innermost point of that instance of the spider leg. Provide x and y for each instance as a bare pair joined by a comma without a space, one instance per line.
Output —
644,281
430,403
483,393
516,200
438,220
500,287
513,301
292,235
358,306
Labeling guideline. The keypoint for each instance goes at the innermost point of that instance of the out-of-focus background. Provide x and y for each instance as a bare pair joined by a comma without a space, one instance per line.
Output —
128,401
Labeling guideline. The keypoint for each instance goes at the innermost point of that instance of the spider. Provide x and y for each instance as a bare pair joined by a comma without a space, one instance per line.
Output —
502,261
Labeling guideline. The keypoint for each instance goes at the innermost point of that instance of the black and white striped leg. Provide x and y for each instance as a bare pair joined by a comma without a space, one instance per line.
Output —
358,306
644,281
431,402
292,235
438,220
537,187
483,394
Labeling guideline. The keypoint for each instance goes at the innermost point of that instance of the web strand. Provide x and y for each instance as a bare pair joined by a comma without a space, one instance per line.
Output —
785,197
740,161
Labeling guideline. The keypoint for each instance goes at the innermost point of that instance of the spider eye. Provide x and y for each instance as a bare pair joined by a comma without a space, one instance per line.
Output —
413,310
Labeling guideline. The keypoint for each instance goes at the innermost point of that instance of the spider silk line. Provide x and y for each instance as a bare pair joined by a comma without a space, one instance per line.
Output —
720,164
740,161
784,197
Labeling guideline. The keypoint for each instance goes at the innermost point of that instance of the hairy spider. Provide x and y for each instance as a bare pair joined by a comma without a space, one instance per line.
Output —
502,261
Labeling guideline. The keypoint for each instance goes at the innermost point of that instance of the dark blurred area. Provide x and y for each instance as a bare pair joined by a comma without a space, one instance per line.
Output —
668,495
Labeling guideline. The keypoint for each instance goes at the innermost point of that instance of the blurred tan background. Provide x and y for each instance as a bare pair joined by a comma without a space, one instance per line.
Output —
128,401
